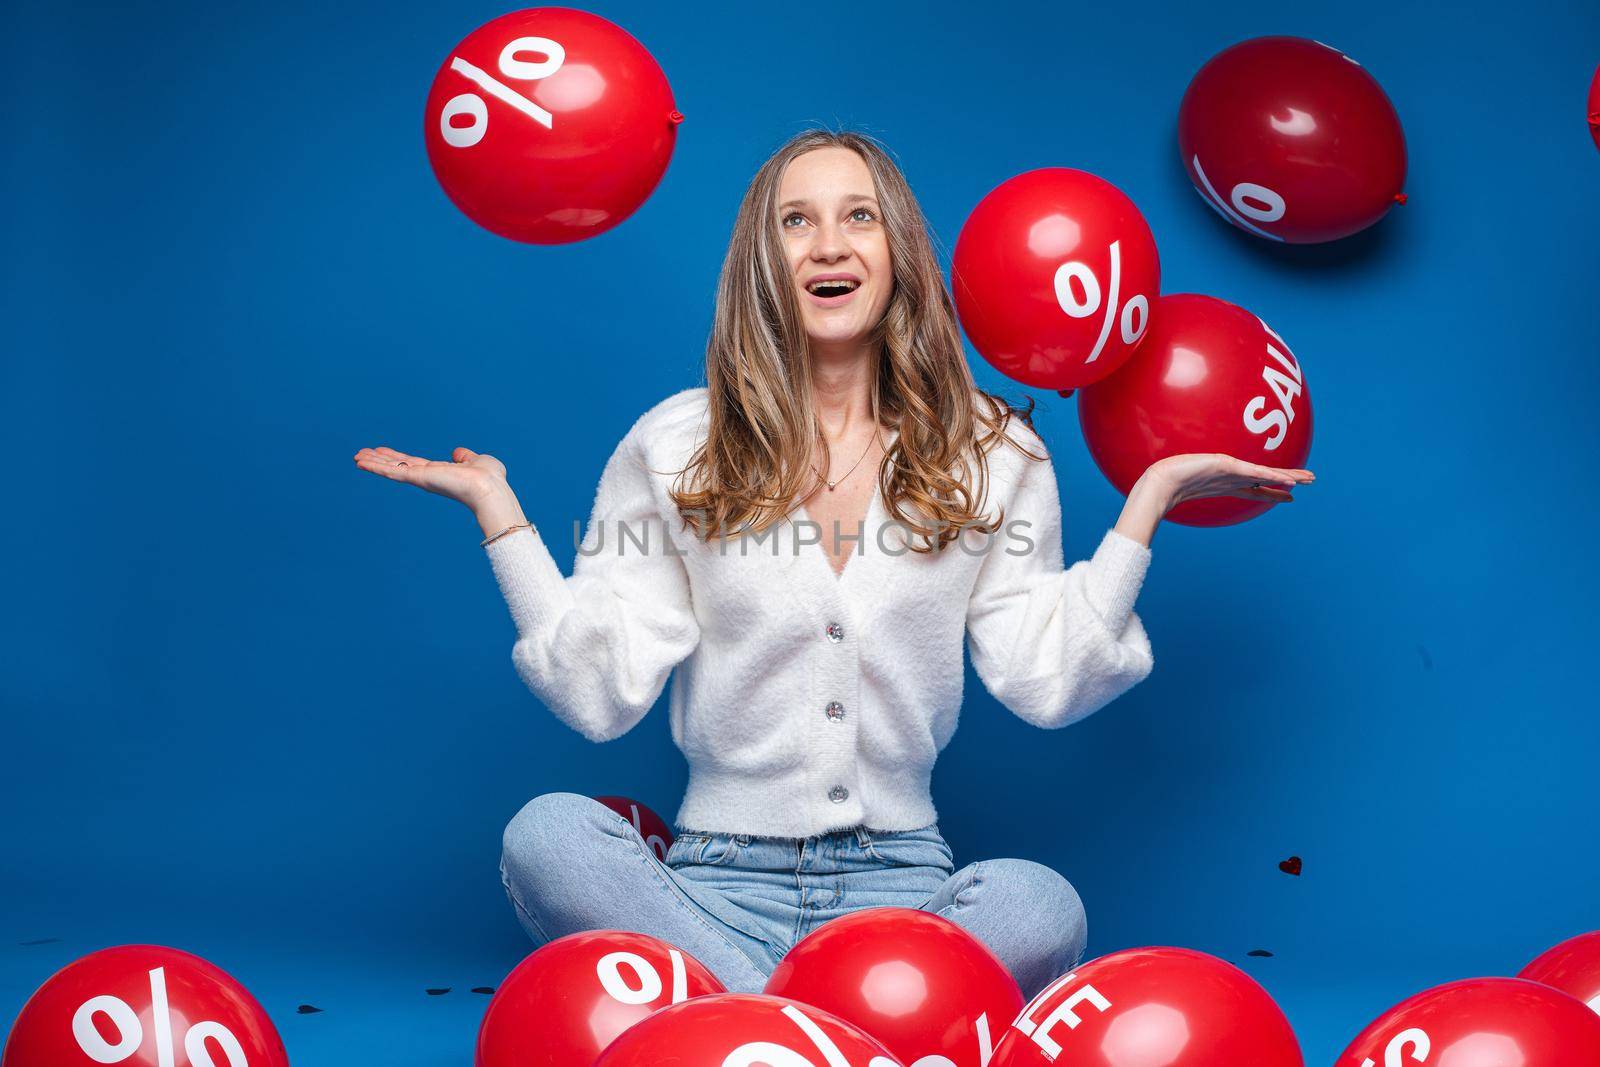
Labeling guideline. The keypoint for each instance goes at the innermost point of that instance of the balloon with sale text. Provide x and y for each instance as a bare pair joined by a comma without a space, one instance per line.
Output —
745,1030
1211,377
1053,275
1292,140
143,1006
1481,1022
549,125
573,996
931,992
1169,1006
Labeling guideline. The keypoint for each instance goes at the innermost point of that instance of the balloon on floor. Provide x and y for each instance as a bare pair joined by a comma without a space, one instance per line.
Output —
919,983
549,125
744,1030
1481,1022
1211,377
573,996
1292,140
1053,275
142,1006
1169,1006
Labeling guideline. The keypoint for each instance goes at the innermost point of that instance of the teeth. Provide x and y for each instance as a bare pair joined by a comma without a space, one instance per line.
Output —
848,285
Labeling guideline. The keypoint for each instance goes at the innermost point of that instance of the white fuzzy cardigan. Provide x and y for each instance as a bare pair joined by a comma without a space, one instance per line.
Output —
807,702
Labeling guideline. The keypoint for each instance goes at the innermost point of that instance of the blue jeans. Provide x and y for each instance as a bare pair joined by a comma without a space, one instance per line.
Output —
738,903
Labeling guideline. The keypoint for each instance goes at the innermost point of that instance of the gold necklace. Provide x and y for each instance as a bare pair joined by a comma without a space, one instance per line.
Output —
853,466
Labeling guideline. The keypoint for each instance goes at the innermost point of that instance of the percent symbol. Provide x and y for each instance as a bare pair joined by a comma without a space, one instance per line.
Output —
771,1054
1243,201
130,1033
1138,306
511,66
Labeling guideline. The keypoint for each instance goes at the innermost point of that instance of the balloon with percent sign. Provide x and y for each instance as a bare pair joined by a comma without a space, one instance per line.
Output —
1572,967
650,826
1053,275
1292,141
1480,1022
932,993
549,125
1211,377
143,1006
1169,1006
574,995
745,1030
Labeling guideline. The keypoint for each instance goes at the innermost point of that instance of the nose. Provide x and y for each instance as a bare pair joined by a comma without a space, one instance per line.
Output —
830,244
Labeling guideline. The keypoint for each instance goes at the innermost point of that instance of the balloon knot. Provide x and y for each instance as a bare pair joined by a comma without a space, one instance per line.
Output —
1065,392
675,116
1400,198
1594,118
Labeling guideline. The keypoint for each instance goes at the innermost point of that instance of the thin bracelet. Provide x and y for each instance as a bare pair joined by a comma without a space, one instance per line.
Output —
487,541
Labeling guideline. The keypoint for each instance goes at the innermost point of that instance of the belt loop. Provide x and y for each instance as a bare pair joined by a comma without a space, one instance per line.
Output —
863,838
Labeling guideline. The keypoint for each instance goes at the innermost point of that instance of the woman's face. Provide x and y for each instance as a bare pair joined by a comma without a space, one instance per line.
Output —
832,228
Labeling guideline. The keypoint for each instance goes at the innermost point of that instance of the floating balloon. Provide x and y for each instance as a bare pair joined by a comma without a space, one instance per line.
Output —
1291,140
744,1030
549,125
1480,1022
927,989
1211,377
1145,1006
1594,108
1572,967
1053,275
573,996
143,1006
652,827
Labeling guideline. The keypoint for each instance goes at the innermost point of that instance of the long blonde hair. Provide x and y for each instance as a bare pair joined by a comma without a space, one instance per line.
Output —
755,461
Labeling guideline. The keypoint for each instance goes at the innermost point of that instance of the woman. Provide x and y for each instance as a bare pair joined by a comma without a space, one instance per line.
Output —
815,606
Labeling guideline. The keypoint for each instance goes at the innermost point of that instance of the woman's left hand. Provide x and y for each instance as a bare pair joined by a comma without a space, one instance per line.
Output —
1201,474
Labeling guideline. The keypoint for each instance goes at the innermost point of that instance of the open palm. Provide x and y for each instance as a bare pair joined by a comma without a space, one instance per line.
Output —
1201,474
467,476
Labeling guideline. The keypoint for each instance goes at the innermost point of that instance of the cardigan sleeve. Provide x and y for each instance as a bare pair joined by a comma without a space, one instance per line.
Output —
1055,644
597,647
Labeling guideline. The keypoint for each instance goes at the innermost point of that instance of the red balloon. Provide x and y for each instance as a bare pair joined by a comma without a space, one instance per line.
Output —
549,125
143,1006
1481,1022
1594,108
1572,967
1053,274
573,996
1145,1006
652,827
914,980
1292,140
744,1030
1211,377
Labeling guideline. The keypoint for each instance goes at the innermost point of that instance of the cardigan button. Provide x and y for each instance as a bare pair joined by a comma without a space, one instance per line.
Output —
835,632
835,710
838,794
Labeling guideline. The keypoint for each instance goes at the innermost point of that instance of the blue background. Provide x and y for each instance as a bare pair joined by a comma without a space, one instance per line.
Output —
260,705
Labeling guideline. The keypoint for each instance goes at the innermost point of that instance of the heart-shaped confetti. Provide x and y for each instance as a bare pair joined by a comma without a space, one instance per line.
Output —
1290,866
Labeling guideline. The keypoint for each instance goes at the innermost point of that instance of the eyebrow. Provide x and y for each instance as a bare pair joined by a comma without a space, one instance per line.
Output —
856,197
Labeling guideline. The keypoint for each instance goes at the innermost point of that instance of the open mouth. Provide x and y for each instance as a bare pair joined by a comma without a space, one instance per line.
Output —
832,290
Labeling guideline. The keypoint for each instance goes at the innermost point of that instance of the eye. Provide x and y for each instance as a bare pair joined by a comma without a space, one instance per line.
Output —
864,211
791,215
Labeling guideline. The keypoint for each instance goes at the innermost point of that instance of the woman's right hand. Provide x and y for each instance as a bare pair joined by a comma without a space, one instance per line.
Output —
471,477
